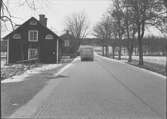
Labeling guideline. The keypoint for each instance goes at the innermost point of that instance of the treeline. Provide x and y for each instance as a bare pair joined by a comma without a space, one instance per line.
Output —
154,46
151,45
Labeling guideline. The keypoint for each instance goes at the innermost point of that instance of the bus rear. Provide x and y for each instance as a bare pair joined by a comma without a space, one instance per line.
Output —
87,54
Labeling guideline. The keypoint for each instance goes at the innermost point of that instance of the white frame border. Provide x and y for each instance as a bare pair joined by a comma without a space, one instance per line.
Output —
29,35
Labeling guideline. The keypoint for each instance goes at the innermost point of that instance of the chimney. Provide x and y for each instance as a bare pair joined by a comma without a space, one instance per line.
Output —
45,22
42,19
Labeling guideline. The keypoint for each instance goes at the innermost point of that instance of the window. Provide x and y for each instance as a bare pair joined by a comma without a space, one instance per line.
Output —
33,22
66,43
49,37
32,53
16,36
33,35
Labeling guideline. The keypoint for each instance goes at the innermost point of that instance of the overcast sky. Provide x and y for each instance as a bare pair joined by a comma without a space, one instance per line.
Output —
57,10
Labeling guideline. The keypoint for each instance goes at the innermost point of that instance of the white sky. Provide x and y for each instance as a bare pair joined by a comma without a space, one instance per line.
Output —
57,10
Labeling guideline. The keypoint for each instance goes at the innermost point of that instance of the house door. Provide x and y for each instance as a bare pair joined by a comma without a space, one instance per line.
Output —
17,53
48,52
51,55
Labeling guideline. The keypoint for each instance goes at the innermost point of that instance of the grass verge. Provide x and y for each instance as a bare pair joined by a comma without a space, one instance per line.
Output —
150,66
158,68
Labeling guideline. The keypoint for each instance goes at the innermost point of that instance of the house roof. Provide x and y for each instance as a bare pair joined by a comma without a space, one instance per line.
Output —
66,36
32,18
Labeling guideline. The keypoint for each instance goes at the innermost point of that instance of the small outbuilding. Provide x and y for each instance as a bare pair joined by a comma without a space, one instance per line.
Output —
70,45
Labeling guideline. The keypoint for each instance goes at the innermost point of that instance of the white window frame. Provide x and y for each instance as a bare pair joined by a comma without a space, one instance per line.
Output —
29,35
49,37
33,22
16,36
29,53
66,43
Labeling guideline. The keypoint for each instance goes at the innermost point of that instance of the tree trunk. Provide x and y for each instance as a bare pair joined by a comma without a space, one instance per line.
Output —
103,50
130,58
119,53
140,37
140,52
130,51
131,47
113,52
120,47
130,44
107,54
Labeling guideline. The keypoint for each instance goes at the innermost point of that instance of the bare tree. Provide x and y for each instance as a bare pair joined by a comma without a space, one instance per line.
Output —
117,16
103,31
130,29
77,24
115,38
145,12
99,33
6,15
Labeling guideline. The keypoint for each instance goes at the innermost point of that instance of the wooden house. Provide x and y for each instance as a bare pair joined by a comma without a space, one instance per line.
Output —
33,41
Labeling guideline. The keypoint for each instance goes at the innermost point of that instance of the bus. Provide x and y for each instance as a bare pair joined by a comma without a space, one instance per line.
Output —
86,53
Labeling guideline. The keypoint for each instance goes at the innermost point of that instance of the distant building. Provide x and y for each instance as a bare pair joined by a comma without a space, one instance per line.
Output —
70,45
33,41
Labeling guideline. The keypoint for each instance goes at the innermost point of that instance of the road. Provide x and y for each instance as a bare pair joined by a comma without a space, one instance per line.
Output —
102,89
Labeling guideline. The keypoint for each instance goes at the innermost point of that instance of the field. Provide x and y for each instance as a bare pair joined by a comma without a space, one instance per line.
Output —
161,60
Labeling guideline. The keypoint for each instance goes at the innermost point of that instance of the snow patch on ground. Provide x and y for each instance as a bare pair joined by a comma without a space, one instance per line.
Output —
67,66
30,72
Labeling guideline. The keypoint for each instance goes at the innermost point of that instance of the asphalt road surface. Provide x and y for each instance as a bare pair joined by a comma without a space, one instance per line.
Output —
101,89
